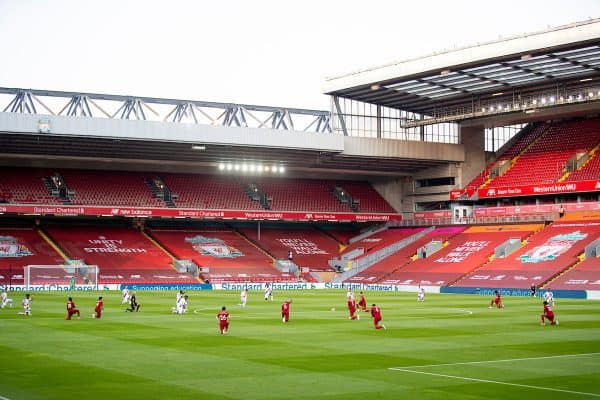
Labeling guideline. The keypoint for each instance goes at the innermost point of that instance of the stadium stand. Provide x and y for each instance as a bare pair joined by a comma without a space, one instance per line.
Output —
226,255
546,254
544,161
369,200
379,271
583,276
302,195
589,171
101,188
20,247
25,186
311,248
526,137
380,240
124,255
464,253
209,192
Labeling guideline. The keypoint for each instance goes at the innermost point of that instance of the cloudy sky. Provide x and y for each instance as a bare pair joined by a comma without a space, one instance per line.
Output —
258,52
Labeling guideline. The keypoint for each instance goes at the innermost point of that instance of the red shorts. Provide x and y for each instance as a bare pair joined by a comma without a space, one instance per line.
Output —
223,325
550,317
98,313
376,321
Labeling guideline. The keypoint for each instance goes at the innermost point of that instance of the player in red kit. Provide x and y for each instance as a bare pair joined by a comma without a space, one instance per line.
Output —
223,318
99,307
352,308
376,314
496,300
285,310
362,302
72,309
549,315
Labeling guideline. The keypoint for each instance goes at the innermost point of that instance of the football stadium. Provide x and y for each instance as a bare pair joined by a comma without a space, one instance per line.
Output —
434,234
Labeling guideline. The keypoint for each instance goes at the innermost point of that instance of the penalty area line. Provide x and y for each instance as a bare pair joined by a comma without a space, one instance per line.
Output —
494,361
495,382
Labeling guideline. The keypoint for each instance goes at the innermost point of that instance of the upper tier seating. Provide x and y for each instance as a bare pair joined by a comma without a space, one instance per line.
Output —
380,270
465,252
521,144
589,172
311,248
25,186
370,201
213,192
20,247
227,255
122,254
546,254
209,192
110,188
301,195
545,160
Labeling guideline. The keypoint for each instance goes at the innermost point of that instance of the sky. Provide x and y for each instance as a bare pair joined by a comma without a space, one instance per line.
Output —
265,52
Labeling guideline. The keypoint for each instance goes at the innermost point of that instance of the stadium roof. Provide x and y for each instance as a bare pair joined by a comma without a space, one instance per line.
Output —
566,56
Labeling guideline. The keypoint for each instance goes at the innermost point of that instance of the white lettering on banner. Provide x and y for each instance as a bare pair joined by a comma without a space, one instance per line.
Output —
110,246
302,246
570,187
460,253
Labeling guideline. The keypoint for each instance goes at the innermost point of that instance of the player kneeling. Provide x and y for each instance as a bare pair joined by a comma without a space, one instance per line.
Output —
549,315
223,318
376,314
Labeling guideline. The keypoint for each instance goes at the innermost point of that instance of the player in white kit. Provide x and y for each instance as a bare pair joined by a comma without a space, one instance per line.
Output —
181,307
243,297
421,294
549,297
6,301
26,305
125,295
268,291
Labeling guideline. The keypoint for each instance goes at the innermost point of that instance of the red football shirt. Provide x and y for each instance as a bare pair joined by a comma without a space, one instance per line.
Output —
548,310
285,307
223,316
70,305
99,305
376,312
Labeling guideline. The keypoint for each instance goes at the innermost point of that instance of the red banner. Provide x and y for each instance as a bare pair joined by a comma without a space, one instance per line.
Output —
455,194
193,213
534,209
432,214
536,190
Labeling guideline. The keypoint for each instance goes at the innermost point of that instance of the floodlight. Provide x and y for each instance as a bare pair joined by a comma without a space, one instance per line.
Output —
244,167
236,167
281,170
221,166
229,167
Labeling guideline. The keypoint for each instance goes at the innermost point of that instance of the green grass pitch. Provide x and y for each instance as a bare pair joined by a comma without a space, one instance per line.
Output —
449,347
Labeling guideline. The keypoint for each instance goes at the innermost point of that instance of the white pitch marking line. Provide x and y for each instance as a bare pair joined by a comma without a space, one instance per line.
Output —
494,361
4,398
498,383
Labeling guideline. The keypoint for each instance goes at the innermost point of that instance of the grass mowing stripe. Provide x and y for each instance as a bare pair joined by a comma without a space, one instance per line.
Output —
498,382
495,361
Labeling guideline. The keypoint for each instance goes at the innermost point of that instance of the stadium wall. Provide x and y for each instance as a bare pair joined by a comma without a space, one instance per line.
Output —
473,140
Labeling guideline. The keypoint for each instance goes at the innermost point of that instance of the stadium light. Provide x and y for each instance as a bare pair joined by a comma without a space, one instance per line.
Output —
552,99
534,102
543,100
591,94
198,147
266,168
221,166
237,167
585,80
281,170
245,167
252,167
229,167
375,86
